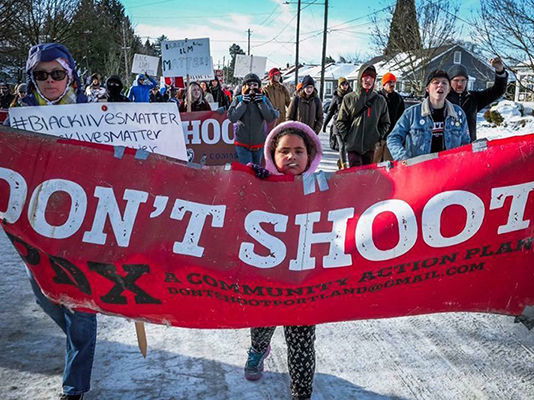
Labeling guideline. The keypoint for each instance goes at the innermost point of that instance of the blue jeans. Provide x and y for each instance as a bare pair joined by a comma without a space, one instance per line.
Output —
245,156
80,328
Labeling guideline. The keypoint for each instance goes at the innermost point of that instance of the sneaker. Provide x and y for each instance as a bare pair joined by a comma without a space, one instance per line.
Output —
254,365
71,397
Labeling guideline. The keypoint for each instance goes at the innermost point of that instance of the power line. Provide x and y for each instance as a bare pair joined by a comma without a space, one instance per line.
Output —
192,16
285,27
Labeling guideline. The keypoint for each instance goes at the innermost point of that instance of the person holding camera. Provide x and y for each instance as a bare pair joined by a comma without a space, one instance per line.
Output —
250,112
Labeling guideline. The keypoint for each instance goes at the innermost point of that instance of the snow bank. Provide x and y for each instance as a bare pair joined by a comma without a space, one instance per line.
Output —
518,120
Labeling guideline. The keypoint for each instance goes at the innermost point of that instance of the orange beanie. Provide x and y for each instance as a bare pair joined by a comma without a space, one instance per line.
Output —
388,76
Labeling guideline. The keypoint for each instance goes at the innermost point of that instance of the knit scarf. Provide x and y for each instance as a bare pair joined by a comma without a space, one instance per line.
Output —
69,97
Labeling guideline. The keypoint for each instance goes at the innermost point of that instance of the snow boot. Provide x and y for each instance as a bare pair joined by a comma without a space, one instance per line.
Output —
254,365
71,396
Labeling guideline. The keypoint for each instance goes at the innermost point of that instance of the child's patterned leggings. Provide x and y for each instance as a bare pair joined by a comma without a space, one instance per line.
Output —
300,355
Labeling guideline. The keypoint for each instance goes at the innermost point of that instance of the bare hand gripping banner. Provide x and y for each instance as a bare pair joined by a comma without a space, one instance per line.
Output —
153,239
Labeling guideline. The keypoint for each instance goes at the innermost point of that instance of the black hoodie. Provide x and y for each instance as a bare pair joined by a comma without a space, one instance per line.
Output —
114,87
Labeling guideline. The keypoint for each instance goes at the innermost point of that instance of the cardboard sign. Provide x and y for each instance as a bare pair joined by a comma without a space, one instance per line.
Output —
142,63
154,127
220,248
249,64
187,57
209,137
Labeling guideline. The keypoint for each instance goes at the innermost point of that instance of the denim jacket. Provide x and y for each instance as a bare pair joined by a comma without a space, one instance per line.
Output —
412,135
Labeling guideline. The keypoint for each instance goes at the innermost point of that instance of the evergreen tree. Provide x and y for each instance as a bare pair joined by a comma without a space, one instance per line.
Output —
234,50
404,30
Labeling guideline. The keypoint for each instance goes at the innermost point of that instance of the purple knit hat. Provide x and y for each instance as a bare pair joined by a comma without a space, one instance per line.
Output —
269,162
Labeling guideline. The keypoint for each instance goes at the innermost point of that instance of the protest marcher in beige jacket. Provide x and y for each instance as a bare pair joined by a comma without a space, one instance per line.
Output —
278,94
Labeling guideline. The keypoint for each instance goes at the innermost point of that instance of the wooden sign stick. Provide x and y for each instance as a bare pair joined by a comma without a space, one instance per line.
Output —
141,337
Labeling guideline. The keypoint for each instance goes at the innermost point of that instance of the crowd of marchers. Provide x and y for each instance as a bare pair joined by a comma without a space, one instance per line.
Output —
276,133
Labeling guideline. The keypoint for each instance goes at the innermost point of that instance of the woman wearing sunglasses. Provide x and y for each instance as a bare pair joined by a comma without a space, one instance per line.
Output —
52,79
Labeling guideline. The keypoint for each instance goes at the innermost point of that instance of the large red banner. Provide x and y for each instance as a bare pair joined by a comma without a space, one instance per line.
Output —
215,247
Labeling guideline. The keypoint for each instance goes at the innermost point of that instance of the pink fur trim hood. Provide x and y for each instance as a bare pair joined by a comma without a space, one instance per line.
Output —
269,162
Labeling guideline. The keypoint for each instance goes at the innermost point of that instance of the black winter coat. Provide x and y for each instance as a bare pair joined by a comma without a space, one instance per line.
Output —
395,107
475,100
333,108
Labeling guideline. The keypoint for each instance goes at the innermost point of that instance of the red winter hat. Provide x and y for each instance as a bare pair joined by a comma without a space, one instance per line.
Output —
273,72
388,76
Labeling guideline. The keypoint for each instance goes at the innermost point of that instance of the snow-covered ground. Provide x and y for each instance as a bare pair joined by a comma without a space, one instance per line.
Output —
443,356
514,122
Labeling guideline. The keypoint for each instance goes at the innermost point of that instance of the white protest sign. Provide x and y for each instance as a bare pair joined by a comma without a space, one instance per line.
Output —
155,127
187,57
249,64
142,64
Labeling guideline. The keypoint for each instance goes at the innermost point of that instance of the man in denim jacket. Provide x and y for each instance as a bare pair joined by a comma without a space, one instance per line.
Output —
432,126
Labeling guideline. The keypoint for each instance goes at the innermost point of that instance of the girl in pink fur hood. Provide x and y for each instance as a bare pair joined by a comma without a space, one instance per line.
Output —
291,148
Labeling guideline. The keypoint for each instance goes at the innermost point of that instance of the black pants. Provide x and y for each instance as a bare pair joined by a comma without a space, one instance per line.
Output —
300,354
357,159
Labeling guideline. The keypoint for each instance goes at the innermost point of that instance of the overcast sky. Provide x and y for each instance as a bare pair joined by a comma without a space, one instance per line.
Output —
272,22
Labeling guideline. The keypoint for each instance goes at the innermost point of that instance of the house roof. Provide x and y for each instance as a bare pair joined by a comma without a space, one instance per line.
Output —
403,64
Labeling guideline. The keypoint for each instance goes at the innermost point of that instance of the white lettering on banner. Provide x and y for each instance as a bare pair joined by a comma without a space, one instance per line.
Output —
206,131
431,218
18,190
193,132
197,133
39,201
516,215
336,238
276,248
107,206
407,230
274,251
189,245
225,130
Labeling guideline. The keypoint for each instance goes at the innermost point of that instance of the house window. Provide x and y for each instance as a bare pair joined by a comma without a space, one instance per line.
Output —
328,88
471,83
457,57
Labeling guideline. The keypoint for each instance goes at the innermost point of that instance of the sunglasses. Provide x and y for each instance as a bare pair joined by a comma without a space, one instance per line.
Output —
57,75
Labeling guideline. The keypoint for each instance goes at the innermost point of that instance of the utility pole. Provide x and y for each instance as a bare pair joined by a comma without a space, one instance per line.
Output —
248,52
125,49
297,46
323,60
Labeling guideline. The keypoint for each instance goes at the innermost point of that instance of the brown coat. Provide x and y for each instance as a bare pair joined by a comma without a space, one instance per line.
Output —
308,110
280,99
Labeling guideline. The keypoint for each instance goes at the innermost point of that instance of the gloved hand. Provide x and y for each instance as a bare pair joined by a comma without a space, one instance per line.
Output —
260,172
246,98
258,98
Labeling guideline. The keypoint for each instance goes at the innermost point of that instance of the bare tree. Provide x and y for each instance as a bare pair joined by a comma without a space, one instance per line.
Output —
44,21
506,28
437,26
